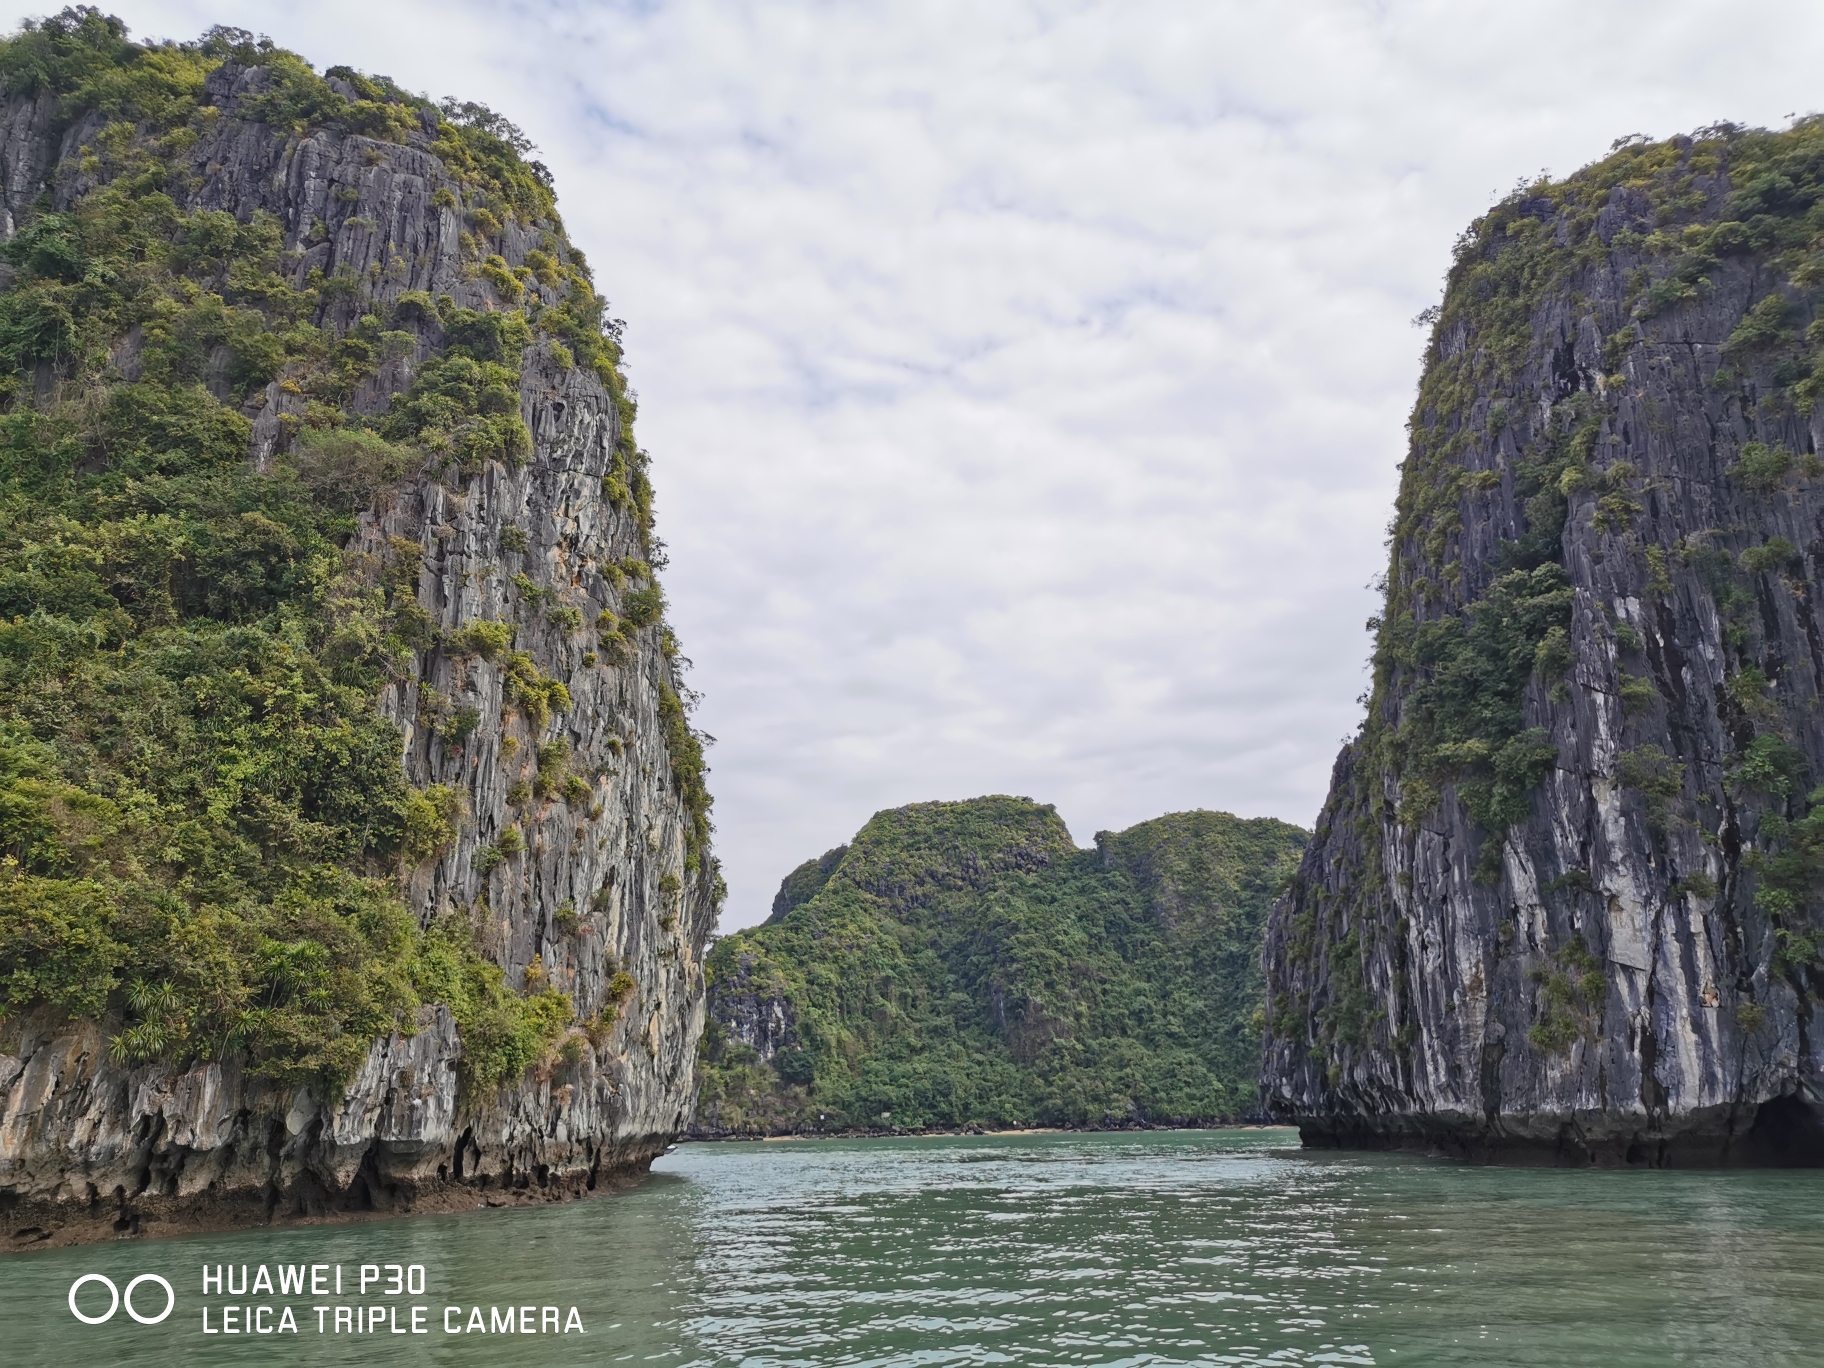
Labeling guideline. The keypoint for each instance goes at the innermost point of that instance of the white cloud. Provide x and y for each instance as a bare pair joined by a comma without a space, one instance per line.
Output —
1026,383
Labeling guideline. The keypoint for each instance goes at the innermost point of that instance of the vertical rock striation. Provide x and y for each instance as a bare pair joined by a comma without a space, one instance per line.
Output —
1563,901
579,852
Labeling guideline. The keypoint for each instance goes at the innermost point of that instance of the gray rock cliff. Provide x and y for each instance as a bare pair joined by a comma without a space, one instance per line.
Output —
610,895
1563,900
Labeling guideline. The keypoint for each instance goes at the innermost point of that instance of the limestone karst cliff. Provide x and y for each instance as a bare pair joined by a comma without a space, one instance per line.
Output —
357,849
1563,901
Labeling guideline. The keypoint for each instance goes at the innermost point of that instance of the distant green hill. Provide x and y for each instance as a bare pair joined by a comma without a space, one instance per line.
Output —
964,963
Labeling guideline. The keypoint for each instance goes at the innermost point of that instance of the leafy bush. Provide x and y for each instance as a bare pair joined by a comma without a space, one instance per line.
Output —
1553,658
1638,695
343,468
431,817
553,766
1572,989
489,337
1775,554
644,606
536,693
1763,326
1771,764
459,725
1656,776
506,285
482,638
1762,467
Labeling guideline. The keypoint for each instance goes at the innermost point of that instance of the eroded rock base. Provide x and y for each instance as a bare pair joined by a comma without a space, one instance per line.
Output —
1786,1132
117,1216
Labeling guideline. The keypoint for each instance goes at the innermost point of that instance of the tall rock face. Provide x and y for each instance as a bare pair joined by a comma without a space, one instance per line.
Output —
964,964
1564,900
449,950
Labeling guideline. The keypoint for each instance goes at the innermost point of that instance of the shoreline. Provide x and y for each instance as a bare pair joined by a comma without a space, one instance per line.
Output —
937,1132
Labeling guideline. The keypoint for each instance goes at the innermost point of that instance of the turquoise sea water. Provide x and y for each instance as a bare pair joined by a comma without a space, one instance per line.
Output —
1225,1247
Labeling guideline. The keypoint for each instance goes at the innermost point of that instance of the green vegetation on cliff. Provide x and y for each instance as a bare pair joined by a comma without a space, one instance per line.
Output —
965,963
1462,653
202,812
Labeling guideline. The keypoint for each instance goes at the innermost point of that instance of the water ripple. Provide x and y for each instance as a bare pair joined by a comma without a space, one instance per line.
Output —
1227,1248
1115,1251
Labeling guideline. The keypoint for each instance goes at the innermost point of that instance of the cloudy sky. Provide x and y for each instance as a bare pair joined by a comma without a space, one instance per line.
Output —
1026,382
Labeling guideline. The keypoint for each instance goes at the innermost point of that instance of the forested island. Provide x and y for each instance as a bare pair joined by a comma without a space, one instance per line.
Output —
966,965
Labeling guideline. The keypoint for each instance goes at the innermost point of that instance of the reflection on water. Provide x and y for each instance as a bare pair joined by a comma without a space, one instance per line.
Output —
1198,1247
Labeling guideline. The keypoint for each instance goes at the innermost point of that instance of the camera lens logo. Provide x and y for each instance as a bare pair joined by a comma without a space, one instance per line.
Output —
116,1298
